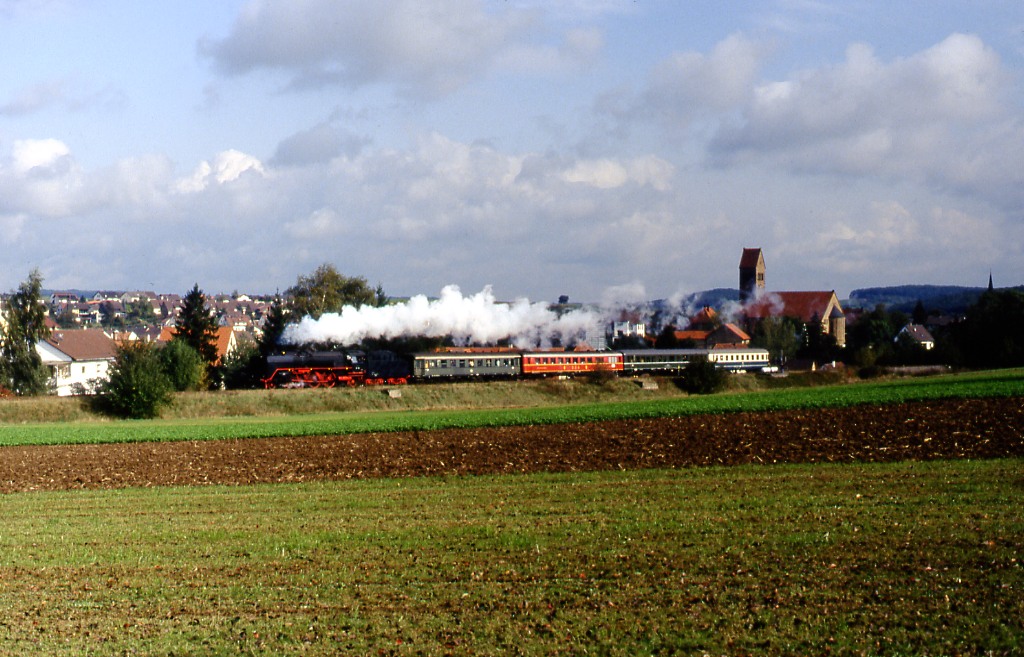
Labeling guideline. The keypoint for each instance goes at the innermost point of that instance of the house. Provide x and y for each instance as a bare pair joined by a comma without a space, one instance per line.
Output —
699,328
77,359
627,329
918,334
227,341
727,336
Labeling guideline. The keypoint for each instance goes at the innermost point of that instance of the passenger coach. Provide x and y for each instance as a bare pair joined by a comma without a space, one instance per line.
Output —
466,365
674,361
554,363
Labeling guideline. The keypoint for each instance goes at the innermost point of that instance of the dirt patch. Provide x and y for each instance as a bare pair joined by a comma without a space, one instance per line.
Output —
948,429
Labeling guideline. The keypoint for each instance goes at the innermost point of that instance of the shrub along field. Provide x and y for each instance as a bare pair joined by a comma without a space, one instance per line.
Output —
649,555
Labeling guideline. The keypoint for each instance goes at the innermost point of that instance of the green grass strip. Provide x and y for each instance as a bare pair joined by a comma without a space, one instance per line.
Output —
981,384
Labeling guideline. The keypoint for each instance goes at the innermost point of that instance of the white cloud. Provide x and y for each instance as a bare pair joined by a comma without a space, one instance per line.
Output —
608,173
29,154
928,117
226,167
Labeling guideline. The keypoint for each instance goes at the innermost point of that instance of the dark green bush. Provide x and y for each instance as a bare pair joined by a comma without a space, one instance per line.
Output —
138,386
183,365
702,377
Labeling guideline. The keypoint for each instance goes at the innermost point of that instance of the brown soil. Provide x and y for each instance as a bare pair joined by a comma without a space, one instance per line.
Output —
950,429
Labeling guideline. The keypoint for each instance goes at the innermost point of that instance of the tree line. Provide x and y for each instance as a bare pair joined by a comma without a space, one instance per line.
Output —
990,334
143,375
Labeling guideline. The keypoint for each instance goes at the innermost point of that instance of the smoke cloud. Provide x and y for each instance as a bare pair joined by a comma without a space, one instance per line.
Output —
476,319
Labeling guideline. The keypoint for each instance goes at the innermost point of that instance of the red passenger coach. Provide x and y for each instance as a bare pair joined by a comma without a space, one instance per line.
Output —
555,363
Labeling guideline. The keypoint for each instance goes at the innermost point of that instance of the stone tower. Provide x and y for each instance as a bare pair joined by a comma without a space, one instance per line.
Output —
751,274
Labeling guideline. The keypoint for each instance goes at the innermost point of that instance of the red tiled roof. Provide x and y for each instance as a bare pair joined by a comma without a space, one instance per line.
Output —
805,306
707,317
225,335
698,336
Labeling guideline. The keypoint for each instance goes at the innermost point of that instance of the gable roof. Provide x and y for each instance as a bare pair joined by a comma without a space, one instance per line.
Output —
918,333
750,258
728,334
705,320
83,344
804,306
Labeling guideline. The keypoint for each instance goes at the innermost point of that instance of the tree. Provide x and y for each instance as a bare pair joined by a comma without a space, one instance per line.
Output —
196,326
920,315
137,386
183,365
21,366
244,366
702,377
780,336
139,312
327,291
667,338
992,335
273,326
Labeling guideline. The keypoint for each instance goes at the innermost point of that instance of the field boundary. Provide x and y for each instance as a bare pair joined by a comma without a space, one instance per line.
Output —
1009,383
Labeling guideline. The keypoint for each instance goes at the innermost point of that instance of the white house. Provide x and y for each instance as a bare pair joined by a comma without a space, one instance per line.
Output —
918,334
77,359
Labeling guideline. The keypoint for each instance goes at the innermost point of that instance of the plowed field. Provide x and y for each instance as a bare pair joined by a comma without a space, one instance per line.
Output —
948,429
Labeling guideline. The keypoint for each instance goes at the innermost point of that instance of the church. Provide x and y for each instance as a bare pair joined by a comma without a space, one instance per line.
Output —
820,308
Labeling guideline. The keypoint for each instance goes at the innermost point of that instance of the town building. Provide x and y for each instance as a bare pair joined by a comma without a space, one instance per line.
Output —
78,359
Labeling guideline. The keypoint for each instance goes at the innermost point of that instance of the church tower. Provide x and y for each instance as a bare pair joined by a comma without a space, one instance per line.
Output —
751,274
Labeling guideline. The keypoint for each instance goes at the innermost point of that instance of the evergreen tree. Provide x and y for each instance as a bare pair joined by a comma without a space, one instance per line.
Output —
273,326
21,366
196,326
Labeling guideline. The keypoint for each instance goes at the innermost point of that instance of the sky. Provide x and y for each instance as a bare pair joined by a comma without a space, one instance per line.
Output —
592,148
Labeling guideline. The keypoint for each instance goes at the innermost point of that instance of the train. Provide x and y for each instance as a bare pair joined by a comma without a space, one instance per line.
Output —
310,368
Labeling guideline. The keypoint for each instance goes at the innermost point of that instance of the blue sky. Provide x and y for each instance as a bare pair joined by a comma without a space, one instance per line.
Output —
593,148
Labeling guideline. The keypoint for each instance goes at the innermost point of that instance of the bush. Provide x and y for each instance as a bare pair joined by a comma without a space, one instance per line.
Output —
183,365
243,368
138,386
702,377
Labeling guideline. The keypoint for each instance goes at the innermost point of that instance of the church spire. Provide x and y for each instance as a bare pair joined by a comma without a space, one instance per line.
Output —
990,280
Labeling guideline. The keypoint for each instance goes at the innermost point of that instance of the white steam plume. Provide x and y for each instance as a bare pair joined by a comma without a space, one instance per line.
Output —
473,319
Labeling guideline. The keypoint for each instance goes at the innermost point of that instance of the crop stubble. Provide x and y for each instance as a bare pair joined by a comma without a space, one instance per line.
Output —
946,429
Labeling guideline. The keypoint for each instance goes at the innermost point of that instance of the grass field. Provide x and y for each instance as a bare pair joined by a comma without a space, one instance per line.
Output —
870,559
894,559
493,404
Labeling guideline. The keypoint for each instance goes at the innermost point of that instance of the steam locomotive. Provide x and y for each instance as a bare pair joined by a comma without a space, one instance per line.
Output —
305,368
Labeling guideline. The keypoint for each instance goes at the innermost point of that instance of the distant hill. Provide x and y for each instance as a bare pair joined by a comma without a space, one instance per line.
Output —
715,298
943,298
